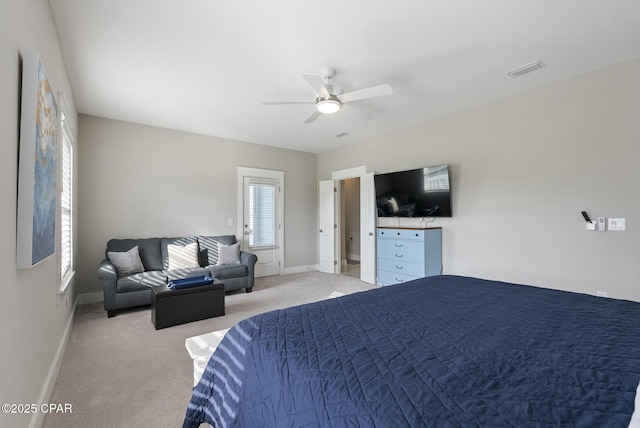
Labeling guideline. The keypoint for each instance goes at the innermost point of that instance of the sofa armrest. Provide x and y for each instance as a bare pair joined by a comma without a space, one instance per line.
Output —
249,260
107,273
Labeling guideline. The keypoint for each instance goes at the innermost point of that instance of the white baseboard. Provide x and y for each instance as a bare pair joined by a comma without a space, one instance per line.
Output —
47,389
86,298
355,257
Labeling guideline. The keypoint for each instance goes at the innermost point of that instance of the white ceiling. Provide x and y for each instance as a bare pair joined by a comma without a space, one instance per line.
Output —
206,66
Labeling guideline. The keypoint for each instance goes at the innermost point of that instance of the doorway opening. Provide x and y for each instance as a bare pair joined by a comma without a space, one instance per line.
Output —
350,227
331,230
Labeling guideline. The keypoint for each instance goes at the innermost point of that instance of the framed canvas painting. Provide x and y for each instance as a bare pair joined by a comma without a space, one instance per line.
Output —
38,166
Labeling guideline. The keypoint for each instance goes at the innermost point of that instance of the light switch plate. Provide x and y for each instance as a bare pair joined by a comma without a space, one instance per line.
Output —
602,224
618,224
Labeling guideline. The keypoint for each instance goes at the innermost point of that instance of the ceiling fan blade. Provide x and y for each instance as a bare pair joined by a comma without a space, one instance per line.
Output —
364,115
276,103
315,82
374,91
316,114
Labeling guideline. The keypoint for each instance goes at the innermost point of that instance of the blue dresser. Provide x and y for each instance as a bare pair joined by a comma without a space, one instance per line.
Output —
407,254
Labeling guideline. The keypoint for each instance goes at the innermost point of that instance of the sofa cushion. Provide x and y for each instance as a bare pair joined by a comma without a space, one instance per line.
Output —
182,241
228,271
126,262
229,254
180,257
149,249
186,273
141,281
210,244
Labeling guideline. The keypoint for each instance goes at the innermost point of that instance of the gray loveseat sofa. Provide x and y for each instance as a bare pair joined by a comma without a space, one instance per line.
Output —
164,259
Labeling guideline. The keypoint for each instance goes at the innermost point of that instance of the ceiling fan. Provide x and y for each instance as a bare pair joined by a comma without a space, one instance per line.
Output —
330,97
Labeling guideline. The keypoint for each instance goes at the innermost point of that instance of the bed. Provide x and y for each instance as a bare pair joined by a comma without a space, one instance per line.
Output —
445,351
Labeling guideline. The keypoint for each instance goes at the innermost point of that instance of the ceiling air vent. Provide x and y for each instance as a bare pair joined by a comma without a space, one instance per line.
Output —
527,68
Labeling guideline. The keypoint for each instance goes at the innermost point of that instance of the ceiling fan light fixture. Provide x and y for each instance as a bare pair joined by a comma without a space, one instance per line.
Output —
328,105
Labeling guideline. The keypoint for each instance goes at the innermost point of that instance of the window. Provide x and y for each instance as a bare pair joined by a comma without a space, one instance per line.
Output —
66,206
262,214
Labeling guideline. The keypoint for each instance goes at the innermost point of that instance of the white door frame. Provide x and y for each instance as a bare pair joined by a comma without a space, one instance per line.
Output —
355,172
262,173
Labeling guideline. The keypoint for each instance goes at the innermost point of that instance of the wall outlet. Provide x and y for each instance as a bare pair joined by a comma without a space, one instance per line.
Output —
230,222
591,226
602,293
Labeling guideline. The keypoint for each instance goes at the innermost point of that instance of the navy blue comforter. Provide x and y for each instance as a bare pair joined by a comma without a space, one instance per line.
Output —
443,351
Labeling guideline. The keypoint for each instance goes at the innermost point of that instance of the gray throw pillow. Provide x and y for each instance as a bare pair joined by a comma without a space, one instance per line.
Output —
126,263
229,254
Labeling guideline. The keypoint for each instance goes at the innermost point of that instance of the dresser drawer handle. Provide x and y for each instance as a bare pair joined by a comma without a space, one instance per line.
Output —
399,280
399,245
399,267
399,255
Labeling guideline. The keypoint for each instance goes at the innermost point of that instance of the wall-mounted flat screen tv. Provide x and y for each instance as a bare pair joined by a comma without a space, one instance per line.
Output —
422,192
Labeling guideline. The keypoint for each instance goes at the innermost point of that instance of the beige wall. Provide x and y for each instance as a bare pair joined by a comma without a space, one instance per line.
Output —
523,169
35,318
142,181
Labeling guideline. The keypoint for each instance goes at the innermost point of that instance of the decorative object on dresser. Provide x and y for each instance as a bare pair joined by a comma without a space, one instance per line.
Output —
405,254
133,266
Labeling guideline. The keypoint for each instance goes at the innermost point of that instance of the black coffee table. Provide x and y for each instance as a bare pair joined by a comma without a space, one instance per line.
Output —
172,307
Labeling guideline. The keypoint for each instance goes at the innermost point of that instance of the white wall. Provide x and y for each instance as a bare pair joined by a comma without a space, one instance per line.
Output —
34,317
142,181
523,169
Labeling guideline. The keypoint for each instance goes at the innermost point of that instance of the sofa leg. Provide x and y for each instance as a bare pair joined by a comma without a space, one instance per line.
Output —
249,290
111,314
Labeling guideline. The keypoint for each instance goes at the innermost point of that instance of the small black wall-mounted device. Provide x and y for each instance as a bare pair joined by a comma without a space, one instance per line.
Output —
586,217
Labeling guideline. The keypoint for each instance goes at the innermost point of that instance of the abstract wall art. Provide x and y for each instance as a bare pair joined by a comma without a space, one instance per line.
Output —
38,166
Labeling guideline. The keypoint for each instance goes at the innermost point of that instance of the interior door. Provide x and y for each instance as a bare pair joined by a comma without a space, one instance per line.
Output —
261,223
326,230
367,229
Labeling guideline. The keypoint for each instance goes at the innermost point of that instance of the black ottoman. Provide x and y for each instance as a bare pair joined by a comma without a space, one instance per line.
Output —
172,307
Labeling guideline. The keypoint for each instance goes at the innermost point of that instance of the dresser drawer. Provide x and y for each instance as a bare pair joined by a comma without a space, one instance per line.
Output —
408,251
388,278
413,269
415,235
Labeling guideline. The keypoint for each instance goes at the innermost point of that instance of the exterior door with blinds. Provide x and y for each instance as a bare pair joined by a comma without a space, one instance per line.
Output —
261,223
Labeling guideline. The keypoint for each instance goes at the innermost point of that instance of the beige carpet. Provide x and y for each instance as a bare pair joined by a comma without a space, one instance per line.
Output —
121,372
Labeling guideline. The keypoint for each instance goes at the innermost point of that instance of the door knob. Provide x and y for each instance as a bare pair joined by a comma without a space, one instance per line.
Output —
370,233
320,230
246,232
